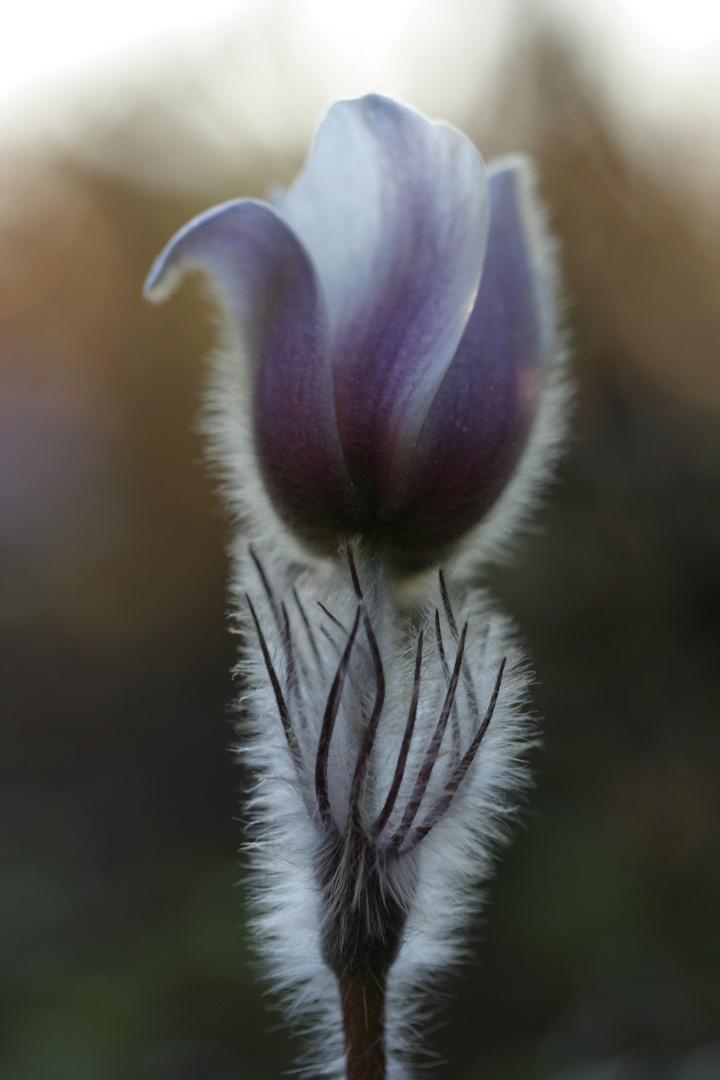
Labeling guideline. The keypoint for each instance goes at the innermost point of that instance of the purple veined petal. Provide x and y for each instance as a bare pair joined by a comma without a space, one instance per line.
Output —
394,212
477,426
271,289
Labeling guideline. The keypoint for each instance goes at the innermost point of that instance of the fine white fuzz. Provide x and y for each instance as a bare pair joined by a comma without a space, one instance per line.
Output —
333,670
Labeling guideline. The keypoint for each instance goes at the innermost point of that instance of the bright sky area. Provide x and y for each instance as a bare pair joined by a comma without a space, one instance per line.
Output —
658,59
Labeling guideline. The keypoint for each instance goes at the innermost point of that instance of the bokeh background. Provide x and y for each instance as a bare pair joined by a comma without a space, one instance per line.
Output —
123,953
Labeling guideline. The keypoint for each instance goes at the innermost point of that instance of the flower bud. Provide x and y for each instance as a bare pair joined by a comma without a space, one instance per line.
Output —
396,311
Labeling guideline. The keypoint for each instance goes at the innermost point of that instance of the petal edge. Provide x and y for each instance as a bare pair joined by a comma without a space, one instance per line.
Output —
478,424
270,288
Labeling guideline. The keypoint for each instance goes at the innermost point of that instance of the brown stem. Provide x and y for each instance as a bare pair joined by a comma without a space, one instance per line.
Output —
363,1009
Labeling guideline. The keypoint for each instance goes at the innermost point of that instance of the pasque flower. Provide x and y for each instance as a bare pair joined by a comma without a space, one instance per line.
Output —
387,397
396,309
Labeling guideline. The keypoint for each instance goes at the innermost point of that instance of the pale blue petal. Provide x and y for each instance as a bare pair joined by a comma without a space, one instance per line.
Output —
477,426
394,213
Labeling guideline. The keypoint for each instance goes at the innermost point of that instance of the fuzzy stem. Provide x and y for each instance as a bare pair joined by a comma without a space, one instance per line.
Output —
363,1009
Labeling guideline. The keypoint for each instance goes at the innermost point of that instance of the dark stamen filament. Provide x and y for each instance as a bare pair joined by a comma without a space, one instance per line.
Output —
330,616
404,748
266,586
308,629
446,673
461,769
275,683
433,750
331,711
371,727
286,637
447,606
467,677
368,740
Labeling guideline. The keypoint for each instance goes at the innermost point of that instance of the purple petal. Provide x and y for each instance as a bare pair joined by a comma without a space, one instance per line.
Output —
270,286
478,423
394,212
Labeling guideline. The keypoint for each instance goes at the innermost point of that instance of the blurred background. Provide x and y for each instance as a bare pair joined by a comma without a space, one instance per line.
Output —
122,942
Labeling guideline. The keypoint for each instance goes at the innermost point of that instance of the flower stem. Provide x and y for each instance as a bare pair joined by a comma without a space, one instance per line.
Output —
363,1009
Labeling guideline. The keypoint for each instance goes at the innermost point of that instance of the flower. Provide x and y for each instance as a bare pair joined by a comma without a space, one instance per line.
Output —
390,389
396,309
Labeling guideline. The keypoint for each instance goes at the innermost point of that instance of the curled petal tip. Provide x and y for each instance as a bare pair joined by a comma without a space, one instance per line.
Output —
197,244
158,285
